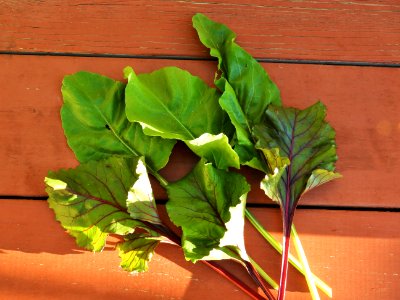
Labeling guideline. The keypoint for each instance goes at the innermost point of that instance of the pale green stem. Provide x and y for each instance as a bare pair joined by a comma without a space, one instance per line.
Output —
303,259
163,182
292,260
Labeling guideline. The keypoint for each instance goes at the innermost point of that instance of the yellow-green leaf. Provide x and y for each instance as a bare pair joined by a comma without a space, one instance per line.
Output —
90,200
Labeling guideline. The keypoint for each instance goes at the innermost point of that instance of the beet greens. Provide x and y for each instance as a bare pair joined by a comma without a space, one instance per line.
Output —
121,132
109,192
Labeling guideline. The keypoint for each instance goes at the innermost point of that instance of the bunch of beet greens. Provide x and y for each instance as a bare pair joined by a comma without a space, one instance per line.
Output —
121,132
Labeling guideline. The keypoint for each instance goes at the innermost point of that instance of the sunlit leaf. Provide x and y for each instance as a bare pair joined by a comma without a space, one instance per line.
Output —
215,149
137,250
208,204
140,201
90,200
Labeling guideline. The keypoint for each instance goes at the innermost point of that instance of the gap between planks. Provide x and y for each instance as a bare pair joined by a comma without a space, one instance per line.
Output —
249,205
199,58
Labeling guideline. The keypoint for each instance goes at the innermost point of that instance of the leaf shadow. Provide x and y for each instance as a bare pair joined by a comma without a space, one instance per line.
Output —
29,226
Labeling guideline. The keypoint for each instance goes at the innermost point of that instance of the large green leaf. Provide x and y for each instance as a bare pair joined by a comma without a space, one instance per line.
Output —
208,204
90,200
94,121
247,88
172,103
253,87
137,250
300,148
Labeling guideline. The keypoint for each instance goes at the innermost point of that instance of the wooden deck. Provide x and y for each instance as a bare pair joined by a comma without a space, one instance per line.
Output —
346,54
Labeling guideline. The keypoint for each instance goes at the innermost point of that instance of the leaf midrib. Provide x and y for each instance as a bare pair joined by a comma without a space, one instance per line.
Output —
114,131
169,112
288,186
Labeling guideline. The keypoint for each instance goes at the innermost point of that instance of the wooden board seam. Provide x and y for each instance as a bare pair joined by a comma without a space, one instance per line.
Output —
249,205
200,58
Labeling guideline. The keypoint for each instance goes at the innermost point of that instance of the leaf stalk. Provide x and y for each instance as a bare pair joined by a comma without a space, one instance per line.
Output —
176,240
292,260
309,276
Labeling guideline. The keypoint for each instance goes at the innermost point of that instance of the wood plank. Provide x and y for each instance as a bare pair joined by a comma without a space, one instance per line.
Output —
317,30
362,107
355,252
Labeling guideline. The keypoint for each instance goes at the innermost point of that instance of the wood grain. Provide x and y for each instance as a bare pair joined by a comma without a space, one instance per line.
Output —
367,31
362,107
355,252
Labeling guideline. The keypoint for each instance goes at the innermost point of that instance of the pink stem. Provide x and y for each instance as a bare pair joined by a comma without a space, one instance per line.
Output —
284,265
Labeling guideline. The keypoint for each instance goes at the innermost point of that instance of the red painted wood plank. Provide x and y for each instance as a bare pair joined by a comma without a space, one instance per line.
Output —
317,30
354,252
362,107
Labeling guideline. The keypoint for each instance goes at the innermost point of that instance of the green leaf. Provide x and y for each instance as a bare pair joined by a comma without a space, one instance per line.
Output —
208,204
90,200
94,121
172,103
300,150
253,87
140,202
137,250
244,144
215,149
304,138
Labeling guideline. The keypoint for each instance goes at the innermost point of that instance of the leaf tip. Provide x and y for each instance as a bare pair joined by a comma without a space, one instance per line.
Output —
55,184
128,72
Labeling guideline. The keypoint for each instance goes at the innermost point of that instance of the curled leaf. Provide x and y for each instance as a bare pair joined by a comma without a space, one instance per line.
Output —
215,149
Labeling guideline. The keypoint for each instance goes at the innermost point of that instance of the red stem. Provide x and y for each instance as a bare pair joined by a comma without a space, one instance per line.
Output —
256,277
284,265
174,238
232,278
